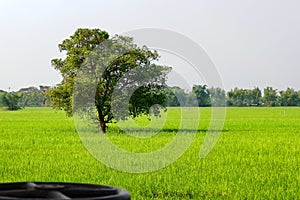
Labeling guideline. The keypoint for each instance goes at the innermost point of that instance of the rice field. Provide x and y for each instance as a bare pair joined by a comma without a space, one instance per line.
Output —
256,156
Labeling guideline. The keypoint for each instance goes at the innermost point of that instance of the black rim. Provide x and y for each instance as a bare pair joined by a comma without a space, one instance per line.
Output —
55,190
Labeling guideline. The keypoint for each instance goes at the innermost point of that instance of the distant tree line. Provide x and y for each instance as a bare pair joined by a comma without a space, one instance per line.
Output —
25,97
201,95
235,97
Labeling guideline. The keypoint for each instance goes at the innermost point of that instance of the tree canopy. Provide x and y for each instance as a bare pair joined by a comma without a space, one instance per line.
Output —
115,64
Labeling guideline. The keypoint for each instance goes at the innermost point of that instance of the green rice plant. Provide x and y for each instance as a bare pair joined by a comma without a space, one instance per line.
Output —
256,157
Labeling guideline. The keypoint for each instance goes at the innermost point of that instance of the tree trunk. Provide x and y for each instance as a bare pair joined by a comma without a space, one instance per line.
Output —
101,122
102,126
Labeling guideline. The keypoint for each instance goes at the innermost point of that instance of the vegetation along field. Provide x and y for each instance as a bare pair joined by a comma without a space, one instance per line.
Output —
256,157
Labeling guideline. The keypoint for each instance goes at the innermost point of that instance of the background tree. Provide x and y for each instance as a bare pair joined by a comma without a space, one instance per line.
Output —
202,94
2,93
191,100
12,100
176,96
33,97
255,96
86,48
289,97
236,97
244,97
217,96
270,96
298,93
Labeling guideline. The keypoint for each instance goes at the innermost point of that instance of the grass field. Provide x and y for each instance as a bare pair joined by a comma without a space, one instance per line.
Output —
256,157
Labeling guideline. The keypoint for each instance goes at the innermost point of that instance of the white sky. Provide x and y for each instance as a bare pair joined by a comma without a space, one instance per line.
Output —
251,42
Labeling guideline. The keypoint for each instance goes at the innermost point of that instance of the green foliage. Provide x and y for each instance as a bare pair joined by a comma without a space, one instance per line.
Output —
256,97
108,60
256,157
217,96
270,96
144,98
176,96
25,97
12,100
289,97
202,94
34,97
243,97
2,93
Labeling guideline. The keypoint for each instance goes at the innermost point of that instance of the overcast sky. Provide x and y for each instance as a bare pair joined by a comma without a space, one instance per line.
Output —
252,43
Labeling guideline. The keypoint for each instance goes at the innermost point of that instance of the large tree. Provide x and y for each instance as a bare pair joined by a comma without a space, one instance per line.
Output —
116,64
